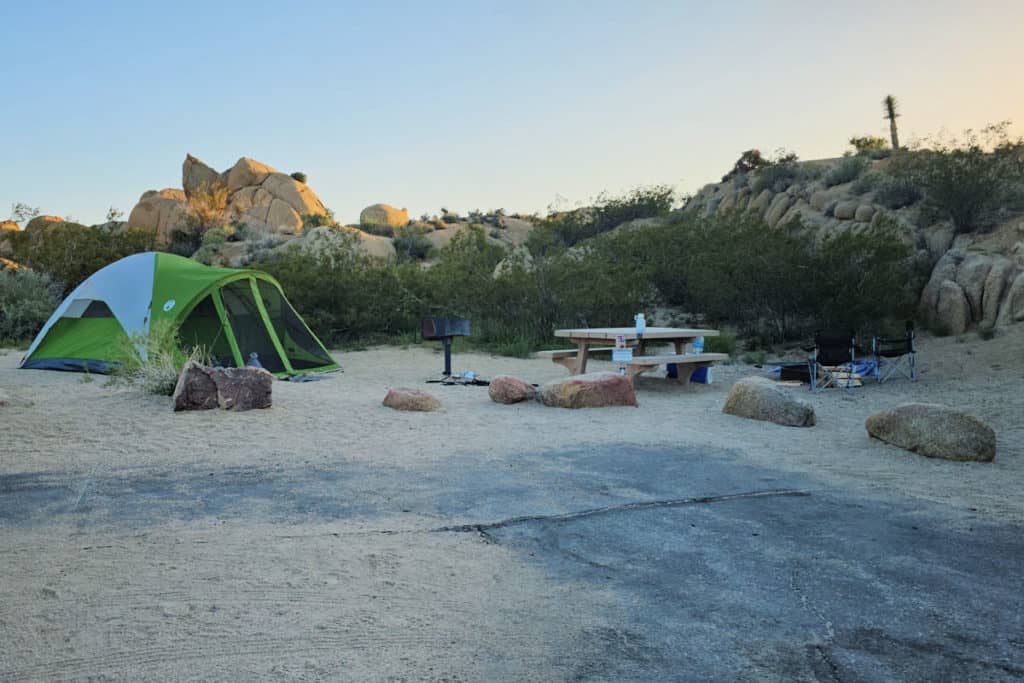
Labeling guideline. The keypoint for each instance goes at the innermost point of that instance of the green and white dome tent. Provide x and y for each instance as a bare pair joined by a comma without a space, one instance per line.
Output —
231,313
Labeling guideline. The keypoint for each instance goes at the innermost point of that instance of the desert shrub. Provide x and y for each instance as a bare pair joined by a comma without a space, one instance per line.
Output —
158,372
970,178
343,295
206,254
571,227
896,193
217,236
378,229
867,182
69,253
723,343
315,220
749,161
27,300
860,278
868,143
411,245
848,169
300,176
777,177
204,212
778,283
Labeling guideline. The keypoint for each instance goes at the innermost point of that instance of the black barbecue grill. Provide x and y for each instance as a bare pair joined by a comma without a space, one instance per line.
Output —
444,329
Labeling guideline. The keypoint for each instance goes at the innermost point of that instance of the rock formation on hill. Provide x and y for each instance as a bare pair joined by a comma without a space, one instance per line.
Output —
977,278
384,215
256,194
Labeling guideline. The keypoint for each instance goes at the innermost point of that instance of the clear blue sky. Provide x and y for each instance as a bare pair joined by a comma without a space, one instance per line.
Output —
474,104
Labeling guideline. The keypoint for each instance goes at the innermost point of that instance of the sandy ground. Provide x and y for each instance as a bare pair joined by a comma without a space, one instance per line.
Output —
368,594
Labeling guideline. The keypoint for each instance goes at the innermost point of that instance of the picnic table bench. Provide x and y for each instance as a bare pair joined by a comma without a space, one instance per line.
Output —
576,359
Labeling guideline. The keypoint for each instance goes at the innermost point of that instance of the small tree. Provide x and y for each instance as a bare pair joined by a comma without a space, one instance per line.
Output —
22,213
749,161
890,105
114,214
867,143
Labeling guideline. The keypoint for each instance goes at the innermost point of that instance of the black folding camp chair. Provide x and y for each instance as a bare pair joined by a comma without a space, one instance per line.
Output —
831,362
895,355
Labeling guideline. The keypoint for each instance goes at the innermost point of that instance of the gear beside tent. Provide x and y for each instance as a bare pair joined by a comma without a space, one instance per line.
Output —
231,313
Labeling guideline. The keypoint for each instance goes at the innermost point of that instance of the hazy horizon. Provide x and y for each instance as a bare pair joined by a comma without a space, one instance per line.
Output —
476,106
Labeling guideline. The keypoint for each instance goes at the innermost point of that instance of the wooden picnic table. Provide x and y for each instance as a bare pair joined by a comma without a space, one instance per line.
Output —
587,338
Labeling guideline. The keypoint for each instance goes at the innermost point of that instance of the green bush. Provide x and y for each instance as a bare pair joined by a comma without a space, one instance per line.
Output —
571,227
779,283
868,143
69,253
315,220
776,177
848,169
967,179
723,343
411,245
27,300
867,182
300,177
896,193
165,357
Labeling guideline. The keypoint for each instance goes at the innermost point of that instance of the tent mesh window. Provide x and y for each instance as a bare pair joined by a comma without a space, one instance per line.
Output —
97,309
203,325
301,348
247,324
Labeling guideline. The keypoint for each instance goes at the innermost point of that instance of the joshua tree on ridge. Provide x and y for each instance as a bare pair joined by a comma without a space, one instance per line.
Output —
890,113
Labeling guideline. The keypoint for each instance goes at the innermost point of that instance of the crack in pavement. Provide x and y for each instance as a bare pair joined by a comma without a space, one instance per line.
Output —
484,527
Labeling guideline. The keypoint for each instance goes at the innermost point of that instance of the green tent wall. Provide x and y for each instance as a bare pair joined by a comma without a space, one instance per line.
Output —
232,313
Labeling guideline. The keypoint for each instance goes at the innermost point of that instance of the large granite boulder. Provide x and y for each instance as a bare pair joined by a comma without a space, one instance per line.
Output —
242,388
8,226
163,211
935,431
296,195
195,389
952,309
593,390
237,389
415,400
507,389
758,398
247,172
1013,306
383,215
40,224
195,175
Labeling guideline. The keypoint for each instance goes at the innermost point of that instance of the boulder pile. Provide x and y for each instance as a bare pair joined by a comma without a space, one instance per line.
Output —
255,194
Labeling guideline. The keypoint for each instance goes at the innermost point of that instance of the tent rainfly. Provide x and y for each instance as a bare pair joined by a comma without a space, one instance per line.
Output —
231,313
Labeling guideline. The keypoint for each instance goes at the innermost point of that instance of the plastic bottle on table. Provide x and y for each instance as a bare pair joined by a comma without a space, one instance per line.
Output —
641,323
698,345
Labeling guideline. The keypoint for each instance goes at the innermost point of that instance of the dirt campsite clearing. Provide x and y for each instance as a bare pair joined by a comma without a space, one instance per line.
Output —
332,538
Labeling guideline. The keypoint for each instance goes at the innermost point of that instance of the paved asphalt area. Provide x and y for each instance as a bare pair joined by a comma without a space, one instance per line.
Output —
722,568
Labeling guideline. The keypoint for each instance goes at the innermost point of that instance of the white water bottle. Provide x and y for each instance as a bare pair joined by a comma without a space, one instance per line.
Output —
641,323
